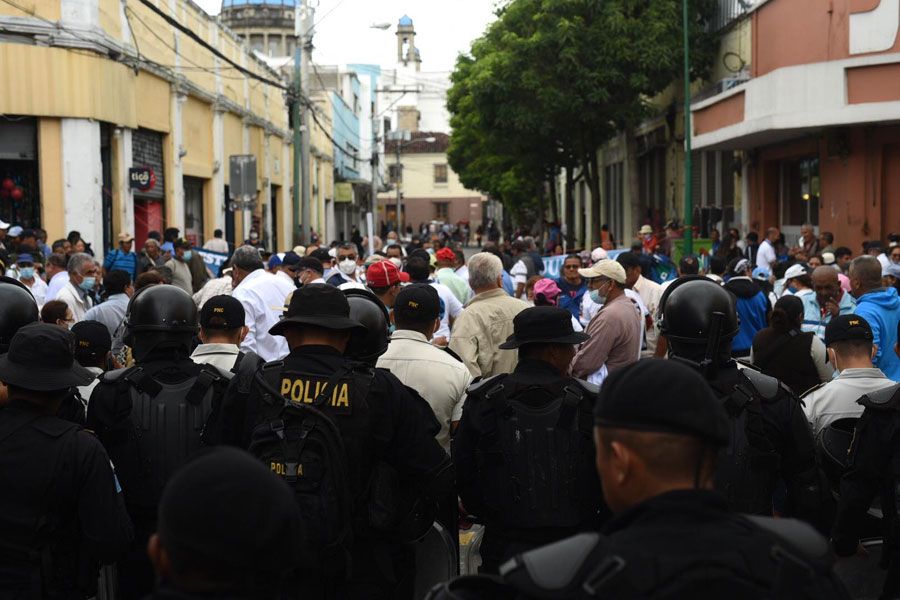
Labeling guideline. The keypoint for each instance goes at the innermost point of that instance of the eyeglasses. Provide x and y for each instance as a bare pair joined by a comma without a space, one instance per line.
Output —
572,267
347,257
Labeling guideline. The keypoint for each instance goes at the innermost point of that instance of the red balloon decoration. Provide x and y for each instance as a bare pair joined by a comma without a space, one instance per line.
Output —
8,184
17,194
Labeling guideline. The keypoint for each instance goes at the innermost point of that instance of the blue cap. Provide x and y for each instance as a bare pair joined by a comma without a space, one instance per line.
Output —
275,260
25,258
761,273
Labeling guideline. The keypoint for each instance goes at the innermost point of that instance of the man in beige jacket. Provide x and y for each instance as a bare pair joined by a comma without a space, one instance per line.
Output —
486,321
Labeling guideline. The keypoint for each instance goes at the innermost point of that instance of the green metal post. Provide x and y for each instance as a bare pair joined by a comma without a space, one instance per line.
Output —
688,167
295,118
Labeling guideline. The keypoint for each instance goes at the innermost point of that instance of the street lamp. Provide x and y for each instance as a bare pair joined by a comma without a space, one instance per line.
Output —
402,139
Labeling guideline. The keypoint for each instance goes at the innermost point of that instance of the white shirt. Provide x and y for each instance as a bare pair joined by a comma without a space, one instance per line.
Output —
217,355
57,282
86,390
837,398
463,272
262,295
452,308
438,377
216,245
76,300
213,287
38,289
766,255
519,273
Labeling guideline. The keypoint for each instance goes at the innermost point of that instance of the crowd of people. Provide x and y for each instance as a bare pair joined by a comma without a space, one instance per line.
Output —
293,424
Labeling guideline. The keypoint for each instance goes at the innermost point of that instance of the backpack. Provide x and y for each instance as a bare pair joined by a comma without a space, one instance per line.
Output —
163,430
536,463
302,444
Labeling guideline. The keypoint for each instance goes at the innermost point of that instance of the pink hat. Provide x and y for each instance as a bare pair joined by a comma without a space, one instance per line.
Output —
548,288
845,282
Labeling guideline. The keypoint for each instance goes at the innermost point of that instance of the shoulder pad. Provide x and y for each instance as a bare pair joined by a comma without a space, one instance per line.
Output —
591,388
814,388
216,371
116,375
795,534
767,387
480,387
54,427
886,397
552,567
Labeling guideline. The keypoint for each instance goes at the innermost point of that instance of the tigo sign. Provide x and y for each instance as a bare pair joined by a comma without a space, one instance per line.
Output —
141,178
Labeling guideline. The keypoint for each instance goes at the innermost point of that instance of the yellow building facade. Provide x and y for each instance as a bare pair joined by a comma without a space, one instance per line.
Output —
122,116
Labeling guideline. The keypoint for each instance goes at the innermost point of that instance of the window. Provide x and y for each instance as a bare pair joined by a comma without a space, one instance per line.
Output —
441,211
440,173
713,189
395,173
800,191
257,43
275,46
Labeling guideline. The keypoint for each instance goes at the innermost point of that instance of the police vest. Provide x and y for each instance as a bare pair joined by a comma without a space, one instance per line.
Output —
164,428
535,462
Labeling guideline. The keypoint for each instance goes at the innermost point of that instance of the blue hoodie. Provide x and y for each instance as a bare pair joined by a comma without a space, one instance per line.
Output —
881,308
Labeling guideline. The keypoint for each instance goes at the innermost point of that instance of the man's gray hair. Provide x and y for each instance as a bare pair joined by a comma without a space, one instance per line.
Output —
151,242
868,270
484,269
78,261
247,258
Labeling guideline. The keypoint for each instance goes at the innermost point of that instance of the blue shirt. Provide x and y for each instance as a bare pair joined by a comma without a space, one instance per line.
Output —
111,313
570,296
881,309
508,286
118,260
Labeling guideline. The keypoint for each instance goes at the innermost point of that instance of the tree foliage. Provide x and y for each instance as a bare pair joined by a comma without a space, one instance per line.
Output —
550,81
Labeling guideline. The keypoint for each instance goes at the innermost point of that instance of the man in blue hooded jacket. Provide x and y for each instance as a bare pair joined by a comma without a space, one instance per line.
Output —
752,307
879,306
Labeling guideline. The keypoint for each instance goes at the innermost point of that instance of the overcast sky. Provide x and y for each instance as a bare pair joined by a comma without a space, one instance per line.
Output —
442,29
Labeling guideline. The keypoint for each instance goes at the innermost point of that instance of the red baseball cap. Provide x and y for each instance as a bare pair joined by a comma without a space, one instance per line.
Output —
446,254
384,273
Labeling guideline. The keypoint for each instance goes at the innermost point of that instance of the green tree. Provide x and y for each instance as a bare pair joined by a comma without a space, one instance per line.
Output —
551,81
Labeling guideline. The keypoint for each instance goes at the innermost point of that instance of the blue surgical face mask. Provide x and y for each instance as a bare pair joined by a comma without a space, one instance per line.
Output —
187,255
792,289
596,298
87,284
26,272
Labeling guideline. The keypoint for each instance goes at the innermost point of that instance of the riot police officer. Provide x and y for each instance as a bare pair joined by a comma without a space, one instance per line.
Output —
672,535
17,309
523,452
150,416
771,438
366,308
60,510
386,432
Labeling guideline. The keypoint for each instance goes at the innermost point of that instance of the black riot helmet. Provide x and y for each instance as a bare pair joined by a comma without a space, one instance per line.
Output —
17,309
698,314
160,315
366,308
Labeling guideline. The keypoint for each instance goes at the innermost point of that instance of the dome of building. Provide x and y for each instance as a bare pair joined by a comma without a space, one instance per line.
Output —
278,3
405,21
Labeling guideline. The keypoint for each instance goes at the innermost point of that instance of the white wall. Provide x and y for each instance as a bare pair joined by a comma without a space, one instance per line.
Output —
82,179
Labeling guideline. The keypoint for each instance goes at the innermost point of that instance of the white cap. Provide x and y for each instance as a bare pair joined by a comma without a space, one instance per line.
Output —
828,258
610,269
332,252
645,229
15,231
300,250
4,224
795,271
598,254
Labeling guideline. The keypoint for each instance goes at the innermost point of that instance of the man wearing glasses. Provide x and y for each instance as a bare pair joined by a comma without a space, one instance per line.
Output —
347,264
572,285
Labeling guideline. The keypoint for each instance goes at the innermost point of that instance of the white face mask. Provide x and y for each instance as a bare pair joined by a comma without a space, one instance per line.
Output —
347,266
397,262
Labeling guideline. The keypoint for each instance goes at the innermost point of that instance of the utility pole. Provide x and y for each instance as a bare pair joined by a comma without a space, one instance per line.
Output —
688,167
295,119
399,194
305,41
373,201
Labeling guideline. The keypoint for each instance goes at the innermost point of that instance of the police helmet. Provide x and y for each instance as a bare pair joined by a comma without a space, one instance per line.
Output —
366,308
690,308
17,309
164,308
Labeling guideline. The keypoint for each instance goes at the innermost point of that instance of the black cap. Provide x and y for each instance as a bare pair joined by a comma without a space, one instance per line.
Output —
688,265
222,312
290,259
320,305
847,327
92,340
418,303
225,506
181,243
543,325
321,254
313,264
41,357
662,396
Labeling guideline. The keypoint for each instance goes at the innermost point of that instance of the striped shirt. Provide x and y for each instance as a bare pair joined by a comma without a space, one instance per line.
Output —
116,259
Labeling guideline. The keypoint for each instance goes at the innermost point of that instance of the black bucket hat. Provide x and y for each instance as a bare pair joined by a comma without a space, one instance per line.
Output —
321,305
543,325
41,357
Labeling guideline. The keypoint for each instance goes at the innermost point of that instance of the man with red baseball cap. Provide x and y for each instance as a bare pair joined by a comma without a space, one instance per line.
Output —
384,279
446,274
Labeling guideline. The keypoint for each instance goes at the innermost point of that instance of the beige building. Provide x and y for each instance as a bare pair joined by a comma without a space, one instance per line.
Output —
124,116
430,190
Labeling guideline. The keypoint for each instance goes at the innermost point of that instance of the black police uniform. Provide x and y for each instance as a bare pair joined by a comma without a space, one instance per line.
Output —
547,491
873,472
390,424
150,417
681,543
